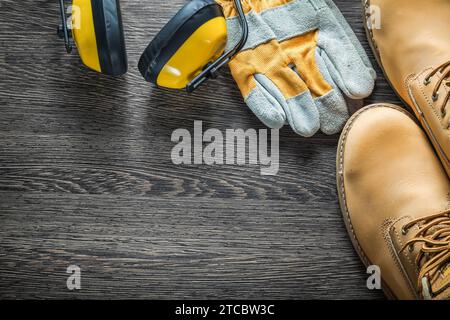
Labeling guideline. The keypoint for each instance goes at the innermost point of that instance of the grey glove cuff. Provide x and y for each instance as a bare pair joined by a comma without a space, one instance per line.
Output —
283,22
258,32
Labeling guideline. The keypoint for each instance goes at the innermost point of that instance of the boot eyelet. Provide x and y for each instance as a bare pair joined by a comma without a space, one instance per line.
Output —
404,231
427,81
411,248
435,96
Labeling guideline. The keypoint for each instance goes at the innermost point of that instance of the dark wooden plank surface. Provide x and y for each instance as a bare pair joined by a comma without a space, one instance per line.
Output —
86,178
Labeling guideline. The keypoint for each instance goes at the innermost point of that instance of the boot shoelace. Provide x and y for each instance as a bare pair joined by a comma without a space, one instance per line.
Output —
443,80
434,234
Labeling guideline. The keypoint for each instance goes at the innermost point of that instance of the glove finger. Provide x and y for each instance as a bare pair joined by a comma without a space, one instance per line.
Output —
265,69
344,63
332,106
300,110
352,36
303,52
266,106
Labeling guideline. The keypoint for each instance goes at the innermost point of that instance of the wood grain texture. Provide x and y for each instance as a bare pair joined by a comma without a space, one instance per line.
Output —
86,178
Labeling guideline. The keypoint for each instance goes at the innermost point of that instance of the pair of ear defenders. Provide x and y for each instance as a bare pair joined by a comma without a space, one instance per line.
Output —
187,51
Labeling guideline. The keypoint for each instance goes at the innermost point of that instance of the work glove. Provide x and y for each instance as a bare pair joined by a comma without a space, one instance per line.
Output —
299,58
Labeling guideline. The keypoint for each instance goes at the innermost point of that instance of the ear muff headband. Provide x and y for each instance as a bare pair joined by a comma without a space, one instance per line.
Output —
180,41
98,34
211,70
63,31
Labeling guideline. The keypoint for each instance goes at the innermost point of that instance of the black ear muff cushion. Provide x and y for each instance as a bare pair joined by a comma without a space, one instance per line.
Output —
166,43
110,37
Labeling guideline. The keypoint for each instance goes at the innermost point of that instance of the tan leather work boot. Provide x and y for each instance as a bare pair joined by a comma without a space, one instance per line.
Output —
411,41
395,198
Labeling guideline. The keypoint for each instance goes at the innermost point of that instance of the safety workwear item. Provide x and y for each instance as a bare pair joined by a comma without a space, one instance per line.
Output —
299,56
96,27
187,51
394,196
191,46
415,58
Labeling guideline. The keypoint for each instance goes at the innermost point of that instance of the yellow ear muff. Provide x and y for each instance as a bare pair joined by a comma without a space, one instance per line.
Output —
205,45
83,33
98,34
194,37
